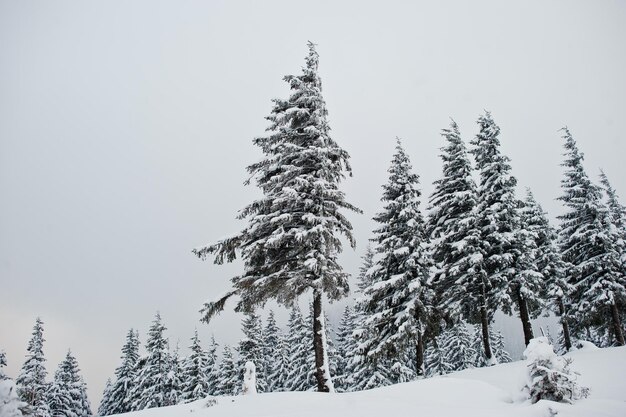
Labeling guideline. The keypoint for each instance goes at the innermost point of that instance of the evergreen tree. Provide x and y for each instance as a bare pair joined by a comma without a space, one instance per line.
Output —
459,279
211,369
227,375
434,363
499,351
397,303
68,392
149,387
173,378
293,238
511,276
251,349
363,279
616,209
195,384
300,350
119,399
3,363
549,262
31,382
105,402
592,245
456,348
346,350
275,356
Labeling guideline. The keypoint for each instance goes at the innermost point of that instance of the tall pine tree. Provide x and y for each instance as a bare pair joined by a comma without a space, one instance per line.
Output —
195,384
68,393
397,302
150,385
251,349
227,375
293,238
275,355
118,400
592,245
31,383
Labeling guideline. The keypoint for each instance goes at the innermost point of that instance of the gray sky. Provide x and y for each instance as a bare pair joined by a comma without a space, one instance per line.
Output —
125,129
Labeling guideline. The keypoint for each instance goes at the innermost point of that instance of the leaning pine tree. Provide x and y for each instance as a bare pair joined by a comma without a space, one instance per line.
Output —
593,246
397,302
292,241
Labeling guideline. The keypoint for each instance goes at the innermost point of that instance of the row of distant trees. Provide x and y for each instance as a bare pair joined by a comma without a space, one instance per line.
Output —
477,250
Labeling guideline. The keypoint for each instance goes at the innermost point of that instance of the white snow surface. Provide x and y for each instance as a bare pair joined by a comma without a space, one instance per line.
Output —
494,391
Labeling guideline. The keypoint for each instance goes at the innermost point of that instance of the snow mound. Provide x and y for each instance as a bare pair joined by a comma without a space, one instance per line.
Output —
484,392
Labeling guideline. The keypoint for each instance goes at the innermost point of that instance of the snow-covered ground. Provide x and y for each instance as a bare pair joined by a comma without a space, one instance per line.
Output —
484,392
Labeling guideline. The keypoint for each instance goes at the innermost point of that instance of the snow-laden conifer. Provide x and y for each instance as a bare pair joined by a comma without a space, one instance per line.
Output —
433,358
105,402
499,350
10,403
211,369
549,376
549,262
292,240
227,375
68,393
118,398
250,349
510,275
456,348
149,387
397,302
459,280
173,377
195,381
300,352
31,383
346,350
275,353
3,364
593,246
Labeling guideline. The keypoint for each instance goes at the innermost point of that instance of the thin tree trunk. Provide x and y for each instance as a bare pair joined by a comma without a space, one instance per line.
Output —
419,354
322,370
617,325
484,321
566,336
525,317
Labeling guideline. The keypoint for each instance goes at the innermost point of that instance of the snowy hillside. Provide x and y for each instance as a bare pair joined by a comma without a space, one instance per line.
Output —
480,392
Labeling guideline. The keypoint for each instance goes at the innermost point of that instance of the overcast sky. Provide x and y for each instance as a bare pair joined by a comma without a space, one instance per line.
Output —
125,129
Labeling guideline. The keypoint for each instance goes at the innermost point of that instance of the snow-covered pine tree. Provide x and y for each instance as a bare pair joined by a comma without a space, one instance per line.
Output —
592,245
212,366
105,402
460,280
3,363
397,303
118,400
275,355
363,279
173,379
510,276
549,375
499,351
292,241
300,350
227,375
149,387
31,382
456,348
526,283
250,348
346,350
549,262
195,381
68,393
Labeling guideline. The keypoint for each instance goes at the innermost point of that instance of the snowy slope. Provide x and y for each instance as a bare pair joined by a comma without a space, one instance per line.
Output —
482,392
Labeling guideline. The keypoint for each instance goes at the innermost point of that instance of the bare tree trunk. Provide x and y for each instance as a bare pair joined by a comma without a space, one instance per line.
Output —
322,370
524,316
617,325
484,321
419,354
566,337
